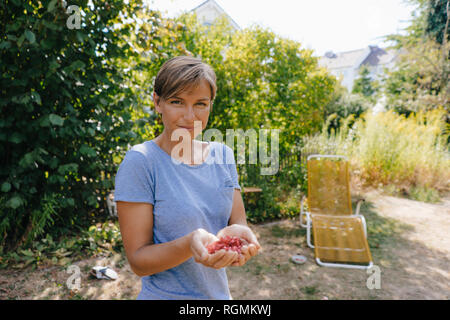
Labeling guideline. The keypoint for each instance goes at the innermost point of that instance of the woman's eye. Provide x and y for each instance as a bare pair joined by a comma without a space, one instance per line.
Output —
175,102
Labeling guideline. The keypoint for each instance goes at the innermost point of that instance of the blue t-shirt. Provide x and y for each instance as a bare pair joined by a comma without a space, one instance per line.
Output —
184,198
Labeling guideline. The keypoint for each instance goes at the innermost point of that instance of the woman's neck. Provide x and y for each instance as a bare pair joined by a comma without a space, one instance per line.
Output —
188,151
167,144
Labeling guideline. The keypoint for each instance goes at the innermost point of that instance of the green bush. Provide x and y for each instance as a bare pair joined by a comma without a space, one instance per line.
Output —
264,80
344,105
66,105
100,239
409,153
422,193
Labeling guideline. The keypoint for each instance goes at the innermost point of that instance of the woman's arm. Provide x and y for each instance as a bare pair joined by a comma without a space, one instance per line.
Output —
146,258
237,226
238,210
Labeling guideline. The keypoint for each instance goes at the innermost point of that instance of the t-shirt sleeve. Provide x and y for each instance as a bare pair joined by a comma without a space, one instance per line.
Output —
231,164
134,181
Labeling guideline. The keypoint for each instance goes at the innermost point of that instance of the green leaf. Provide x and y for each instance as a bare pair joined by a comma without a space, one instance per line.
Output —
51,5
76,65
64,261
44,121
27,160
16,138
5,45
86,150
11,37
42,151
30,36
67,168
16,185
20,40
91,200
56,120
15,202
53,163
36,97
28,252
81,36
6,186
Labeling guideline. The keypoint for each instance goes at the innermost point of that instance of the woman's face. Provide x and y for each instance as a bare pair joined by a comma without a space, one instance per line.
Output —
186,109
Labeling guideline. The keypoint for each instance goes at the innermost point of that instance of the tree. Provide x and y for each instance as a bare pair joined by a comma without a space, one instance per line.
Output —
420,81
364,85
342,106
437,20
264,81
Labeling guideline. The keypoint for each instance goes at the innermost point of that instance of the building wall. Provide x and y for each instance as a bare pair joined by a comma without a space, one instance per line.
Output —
210,11
207,13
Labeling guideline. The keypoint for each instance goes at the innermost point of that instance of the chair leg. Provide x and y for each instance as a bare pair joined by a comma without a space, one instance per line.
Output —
341,265
305,214
302,213
308,232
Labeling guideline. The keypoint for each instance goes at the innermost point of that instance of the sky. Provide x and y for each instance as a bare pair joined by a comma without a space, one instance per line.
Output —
321,25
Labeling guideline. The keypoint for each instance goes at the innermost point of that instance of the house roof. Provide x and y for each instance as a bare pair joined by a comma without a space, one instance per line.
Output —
372,56
202,4
343,59
379,56
218,8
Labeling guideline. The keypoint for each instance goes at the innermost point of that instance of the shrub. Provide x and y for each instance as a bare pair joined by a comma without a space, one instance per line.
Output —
391,149
65,111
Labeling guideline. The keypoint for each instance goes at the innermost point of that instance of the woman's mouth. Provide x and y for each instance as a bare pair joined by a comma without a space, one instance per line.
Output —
186,127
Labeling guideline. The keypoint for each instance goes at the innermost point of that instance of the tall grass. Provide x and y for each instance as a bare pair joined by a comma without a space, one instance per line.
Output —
390,149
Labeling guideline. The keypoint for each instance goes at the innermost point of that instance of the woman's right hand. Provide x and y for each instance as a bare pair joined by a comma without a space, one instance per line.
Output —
200,238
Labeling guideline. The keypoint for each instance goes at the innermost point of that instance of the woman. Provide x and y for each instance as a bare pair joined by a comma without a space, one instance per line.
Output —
171,206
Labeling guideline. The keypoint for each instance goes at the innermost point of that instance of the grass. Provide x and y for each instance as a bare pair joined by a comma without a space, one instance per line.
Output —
418,193
309,290
283,232
381,232
424,194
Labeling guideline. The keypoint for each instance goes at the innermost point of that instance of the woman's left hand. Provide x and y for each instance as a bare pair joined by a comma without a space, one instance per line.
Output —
248,250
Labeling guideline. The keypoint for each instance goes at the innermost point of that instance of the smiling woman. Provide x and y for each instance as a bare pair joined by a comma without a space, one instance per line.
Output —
170,207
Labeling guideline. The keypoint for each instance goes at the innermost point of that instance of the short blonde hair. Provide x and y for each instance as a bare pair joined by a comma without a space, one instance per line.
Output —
183,73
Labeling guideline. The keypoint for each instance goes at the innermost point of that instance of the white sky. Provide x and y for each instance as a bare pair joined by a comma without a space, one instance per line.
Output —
322,25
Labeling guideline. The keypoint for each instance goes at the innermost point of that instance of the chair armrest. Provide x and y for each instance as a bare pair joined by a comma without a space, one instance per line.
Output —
359,201
358,205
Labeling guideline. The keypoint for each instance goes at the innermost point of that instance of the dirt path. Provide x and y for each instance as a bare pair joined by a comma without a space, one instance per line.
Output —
431,222
411,246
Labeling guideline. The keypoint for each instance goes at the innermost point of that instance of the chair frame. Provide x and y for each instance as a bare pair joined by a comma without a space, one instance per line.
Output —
308,224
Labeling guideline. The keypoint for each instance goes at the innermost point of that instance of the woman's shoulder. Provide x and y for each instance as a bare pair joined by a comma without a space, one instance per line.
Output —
143,152
144,148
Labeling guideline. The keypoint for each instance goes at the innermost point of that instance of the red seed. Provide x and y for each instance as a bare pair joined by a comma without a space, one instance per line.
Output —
226,243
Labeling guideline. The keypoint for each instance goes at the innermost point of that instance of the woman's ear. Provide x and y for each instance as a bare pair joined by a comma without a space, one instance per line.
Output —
156,100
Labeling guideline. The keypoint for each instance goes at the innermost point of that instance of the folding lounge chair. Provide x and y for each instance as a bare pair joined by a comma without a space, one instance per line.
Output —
340,237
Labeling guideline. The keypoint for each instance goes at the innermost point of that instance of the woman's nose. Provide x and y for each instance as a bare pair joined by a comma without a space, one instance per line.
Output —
189,113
